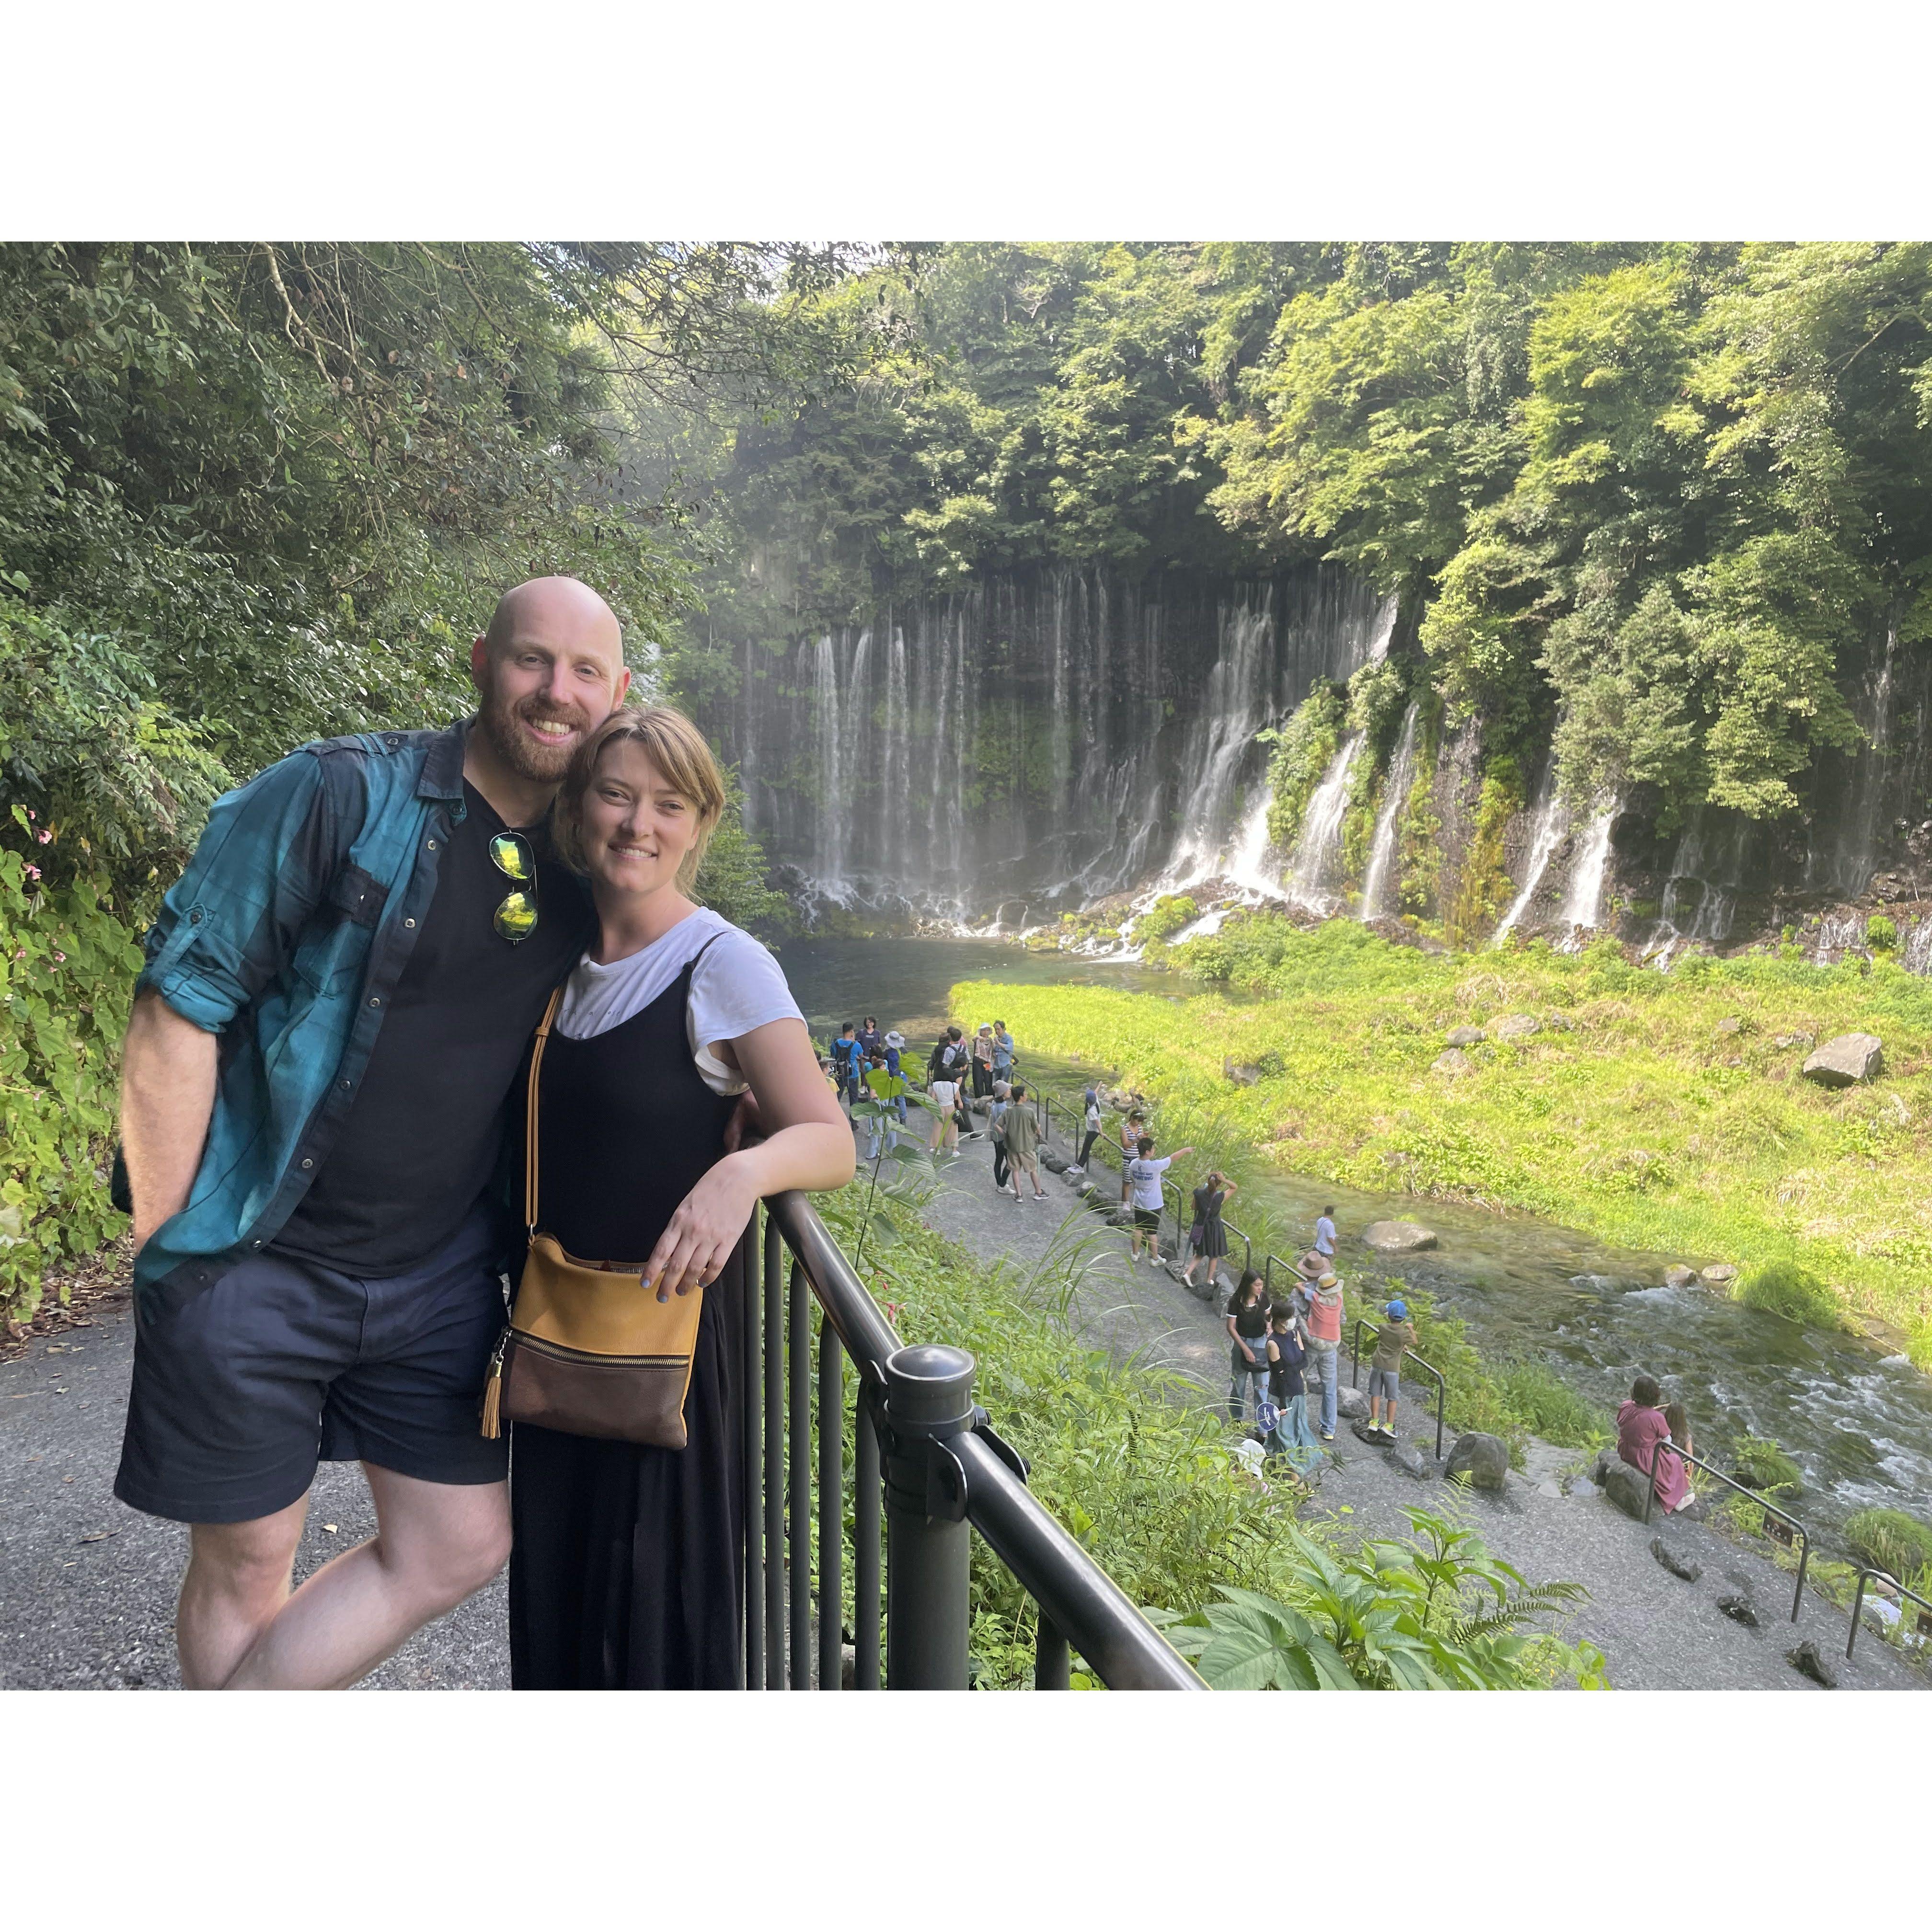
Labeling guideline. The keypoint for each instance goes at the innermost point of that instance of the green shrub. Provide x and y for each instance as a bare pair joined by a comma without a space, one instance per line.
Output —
1760,1464
1166,917
1785,1288
1547,1406
1889,1540
1881,934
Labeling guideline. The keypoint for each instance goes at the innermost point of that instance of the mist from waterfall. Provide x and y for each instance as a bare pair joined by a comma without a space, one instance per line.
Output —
1380,888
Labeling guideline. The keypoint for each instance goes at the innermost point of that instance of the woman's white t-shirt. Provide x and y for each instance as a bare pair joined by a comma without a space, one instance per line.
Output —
738,986
945,1092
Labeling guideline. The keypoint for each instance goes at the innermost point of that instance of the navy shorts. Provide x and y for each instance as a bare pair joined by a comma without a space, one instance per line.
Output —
241,1387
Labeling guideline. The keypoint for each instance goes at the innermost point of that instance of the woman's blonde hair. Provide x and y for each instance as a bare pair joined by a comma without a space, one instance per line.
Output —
676,747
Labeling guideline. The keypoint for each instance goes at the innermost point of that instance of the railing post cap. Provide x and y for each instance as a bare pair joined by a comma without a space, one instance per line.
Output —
929,1387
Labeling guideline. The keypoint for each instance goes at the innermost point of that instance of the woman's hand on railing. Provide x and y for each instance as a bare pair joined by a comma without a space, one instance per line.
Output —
709,1221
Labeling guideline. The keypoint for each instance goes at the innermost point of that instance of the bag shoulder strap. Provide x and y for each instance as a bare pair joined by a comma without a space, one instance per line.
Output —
530,1114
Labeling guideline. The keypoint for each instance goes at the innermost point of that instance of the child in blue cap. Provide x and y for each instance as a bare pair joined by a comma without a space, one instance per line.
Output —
1397,1338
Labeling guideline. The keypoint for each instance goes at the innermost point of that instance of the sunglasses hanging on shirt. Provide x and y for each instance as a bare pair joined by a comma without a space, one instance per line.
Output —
516,918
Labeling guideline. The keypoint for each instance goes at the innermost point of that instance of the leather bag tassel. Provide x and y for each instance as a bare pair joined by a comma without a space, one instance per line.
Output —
492,1391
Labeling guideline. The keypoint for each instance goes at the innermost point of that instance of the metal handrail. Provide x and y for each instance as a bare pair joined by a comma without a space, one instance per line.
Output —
1409,1355
1866,1572
954,1463
1663,1443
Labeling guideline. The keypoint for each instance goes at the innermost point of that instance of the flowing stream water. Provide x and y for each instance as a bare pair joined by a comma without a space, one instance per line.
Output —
1858,1419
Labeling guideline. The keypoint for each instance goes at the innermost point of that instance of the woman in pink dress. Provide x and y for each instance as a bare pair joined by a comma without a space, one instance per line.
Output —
1641,1426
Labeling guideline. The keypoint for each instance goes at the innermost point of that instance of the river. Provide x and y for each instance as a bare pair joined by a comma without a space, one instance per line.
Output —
1858,1420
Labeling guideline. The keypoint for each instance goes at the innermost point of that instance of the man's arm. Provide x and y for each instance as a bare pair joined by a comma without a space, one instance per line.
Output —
167,1098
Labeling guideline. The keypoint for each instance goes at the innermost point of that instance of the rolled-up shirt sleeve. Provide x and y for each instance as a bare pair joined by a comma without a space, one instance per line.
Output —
229,923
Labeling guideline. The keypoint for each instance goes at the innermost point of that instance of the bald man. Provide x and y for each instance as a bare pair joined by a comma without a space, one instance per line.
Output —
336,996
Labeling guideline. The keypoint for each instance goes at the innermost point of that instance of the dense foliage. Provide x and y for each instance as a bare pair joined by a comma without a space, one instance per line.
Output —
1664,500
252,494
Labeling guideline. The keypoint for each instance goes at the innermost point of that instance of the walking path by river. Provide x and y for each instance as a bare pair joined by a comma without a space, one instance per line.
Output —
1656,1632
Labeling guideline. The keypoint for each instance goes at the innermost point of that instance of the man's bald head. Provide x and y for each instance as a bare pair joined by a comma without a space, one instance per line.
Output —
558,608
549,670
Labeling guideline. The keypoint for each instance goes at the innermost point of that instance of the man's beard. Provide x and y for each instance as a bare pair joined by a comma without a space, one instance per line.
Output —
541,764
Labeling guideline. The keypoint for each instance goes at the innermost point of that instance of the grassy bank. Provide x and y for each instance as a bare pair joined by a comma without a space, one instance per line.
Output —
1655,1111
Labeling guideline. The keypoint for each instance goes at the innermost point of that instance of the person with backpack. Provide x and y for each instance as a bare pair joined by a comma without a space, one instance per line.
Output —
1247,1326
847,1051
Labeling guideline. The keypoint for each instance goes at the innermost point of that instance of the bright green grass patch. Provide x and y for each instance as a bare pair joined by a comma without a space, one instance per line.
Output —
1891,1540
1550,1407
1623,1116
1786,1288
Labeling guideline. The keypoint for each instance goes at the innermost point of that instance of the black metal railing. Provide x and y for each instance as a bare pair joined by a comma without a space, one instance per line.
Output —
1410,1359
1664,1446
928,1472
1889,1584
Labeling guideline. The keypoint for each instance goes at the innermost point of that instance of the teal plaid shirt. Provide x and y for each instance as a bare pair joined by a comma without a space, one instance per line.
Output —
286,935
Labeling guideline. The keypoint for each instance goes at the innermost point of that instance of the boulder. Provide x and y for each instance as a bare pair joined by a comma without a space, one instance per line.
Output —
1465,1036
1480,1460
1454,1061
1516,1026
1053,1160
1410,1462
1241,1075
1806,1661
1719,1274
1791,1039
1607,1460
1398,1238
1845,1061
1680,1277
1626,1487
1675,1560
1350,1404
1740,1609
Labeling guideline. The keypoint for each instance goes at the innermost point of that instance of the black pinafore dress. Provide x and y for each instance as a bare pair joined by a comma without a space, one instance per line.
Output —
627,1565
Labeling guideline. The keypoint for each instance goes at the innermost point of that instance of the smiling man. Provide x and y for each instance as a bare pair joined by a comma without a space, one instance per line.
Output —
336,996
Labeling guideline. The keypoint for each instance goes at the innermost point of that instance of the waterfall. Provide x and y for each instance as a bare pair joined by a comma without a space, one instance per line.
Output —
1234,708
1702,895
1917,956
1322,833
1844,859
1379,889
1549,825
1582,904
893,772
831,808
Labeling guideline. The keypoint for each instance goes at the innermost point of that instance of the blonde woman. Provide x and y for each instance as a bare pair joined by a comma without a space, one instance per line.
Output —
626,1570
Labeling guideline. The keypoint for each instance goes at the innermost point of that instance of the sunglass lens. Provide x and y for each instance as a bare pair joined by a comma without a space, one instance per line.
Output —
517,917
512,857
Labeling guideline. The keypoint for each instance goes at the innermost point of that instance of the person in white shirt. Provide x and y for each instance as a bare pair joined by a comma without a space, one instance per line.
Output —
945,1095
1090,1125
1144,1174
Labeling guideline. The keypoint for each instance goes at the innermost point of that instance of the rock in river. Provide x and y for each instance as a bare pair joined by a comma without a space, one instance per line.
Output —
1680,1277
1482,1460
1465,1036
1517,1026
1454,1061
1845,1061
1399,1237
1719,1274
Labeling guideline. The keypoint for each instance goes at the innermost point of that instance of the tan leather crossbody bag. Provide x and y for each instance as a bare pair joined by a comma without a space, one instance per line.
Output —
590,1350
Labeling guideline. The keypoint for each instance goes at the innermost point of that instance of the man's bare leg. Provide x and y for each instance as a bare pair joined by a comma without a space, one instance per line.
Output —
435,1544
238,1579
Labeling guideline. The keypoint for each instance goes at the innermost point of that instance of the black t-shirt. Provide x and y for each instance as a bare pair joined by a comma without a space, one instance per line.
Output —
421,1141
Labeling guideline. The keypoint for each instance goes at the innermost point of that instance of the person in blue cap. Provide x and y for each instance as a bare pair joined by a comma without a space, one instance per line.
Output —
1397,1338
